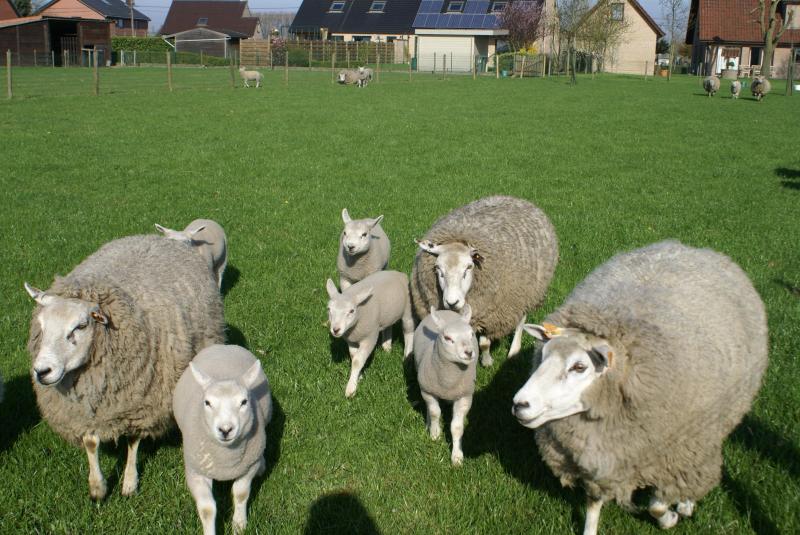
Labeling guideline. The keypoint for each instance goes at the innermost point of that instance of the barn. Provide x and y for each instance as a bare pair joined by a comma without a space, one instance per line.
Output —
43,40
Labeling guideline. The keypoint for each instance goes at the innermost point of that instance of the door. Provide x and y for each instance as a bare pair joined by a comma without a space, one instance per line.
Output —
455,51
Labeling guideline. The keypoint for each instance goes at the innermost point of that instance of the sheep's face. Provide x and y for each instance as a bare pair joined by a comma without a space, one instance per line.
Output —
67,332
343,308
228,410
456,342
570,362
455,265
341,78
357,234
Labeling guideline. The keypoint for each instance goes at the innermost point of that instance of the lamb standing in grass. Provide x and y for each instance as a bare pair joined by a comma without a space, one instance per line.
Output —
364,249
366,72
499,254
250,76
445,353
109,341
711,85
736,89
760,87
222,404
365,310
648,365
350,76
209,238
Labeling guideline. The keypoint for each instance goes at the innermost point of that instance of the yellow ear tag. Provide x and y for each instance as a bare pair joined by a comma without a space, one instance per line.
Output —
551,331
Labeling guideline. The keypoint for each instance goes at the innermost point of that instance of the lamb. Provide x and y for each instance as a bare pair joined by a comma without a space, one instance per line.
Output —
363,249
711,85
222,404
736,88
250,76
445,353
498,253
365,310
648,365
109,341
209,238
366,72
350,76
760,87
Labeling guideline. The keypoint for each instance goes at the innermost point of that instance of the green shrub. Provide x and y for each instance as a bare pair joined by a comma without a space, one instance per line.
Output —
140,44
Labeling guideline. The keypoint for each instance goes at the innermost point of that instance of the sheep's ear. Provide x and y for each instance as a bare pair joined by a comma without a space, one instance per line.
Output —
191,234
376,221
202,379
602,355
99,316
333,291
429,247
363,295
252,375
38,295
466,313
437,320
477,258
162,230
546,331
346,216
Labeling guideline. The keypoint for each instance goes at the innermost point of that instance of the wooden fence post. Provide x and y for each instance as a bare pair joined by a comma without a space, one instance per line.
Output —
286,66
434,63
496,65
53,58
347,53
408,59
169,70
522,69
333,67
8,72
233,74
310,53
134,57
474,68
35,62
201,57
96,74
378,62
444,66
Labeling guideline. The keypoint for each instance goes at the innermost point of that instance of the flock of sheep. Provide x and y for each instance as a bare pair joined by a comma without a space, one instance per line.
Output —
640,375
760,86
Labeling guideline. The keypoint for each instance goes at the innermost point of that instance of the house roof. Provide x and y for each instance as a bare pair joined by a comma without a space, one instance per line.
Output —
111,9
39,18
475,16
222,16
730,21
8,10
397,17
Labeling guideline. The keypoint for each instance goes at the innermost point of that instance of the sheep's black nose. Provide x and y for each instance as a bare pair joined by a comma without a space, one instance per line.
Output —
225,431
468,353
335,330
521,405
43,372
452,304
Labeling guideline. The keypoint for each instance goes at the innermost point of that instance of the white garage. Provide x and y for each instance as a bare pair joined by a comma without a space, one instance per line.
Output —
456,47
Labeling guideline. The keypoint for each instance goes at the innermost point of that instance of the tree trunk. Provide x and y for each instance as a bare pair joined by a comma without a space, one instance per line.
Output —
769,47
671,60
573,78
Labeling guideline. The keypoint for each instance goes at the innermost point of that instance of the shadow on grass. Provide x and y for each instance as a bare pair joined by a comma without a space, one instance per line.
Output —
789,287
339,350
755,435
229,279
791,177
233,336
18,412
748,506
339,512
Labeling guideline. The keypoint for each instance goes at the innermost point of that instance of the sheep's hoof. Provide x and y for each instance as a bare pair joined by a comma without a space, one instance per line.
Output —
457,458
486,360
129,486
97,489
239,525
435,433
387,345
350,391
685,509
668,520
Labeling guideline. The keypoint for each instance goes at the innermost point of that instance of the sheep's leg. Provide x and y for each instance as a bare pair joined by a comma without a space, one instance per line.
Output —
516,342
593,508
97,483
662,513
486,356
386,337
130,480
460,410
200,487
241,493
408,331
685,508
221,272
358,357
432,416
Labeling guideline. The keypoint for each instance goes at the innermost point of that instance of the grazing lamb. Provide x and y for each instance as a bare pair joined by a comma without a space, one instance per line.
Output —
109,341
250,76
498,254
350,76
445,352
760,87
363,249
736,88
711,85
648,365
365,310
209,238
222,404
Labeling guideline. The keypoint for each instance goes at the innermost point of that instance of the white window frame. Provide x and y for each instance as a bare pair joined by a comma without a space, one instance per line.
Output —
372,8
335,3
451,2
493,7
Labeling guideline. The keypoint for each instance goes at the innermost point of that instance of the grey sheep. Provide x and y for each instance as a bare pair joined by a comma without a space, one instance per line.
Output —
222,405
208,237
350,77
736,89
711,85
364,249
648,365
109,341
497,253
760,87
366,310
445,354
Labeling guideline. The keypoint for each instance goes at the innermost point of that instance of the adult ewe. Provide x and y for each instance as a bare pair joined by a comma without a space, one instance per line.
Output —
736,89
498,254
352,76
110,340
364,249
711,85
649,364
760,87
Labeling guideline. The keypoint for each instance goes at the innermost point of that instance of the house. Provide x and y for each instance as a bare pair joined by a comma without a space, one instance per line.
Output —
40,40
214,27
8,10
116,12
727,33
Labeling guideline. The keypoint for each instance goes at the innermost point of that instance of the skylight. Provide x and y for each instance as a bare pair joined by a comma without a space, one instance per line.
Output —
455,6
377,6
202,21
336,7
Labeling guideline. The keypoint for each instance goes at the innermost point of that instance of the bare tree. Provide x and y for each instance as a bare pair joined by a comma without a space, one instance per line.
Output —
523,20
600,33
275,21
571,14
676,14
771,30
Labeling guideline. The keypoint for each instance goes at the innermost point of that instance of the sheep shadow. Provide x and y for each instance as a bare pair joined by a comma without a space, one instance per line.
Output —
146,453
234,336
789,287
18,411
790,177
339,512
229,279
748,506
758,436
339,351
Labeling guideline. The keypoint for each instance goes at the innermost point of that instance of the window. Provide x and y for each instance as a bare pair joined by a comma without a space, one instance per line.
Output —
120,23
455,6
336,7
497,7
617,11
377,6
792,17
202,21
755,56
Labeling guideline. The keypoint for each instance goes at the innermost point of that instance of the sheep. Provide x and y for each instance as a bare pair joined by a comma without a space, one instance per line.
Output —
249,76
736,88
109,341
711,85
364,249
365,310
648,365
350,76
760,87
366,72
445,353
222,404
498,253
209,238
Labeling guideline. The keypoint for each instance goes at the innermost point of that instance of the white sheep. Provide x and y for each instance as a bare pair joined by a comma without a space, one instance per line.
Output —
446,353
208,237
250,76
364,249
351,76
760,87
648,365
366,72
711,85
736,88
364,311
222,404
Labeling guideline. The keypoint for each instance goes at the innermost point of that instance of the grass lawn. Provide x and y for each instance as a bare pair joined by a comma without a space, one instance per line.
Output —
615,162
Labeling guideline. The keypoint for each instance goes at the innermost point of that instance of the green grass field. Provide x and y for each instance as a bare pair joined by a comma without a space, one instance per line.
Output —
615,162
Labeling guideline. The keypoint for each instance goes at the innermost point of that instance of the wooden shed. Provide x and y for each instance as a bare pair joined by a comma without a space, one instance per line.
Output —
40,40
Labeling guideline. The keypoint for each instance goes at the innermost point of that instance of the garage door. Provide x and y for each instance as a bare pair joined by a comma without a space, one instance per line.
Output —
456,51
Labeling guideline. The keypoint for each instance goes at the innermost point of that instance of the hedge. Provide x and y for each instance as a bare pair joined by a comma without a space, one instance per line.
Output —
140,44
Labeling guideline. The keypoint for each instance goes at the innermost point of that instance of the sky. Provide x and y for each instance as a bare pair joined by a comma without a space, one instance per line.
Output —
157,9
